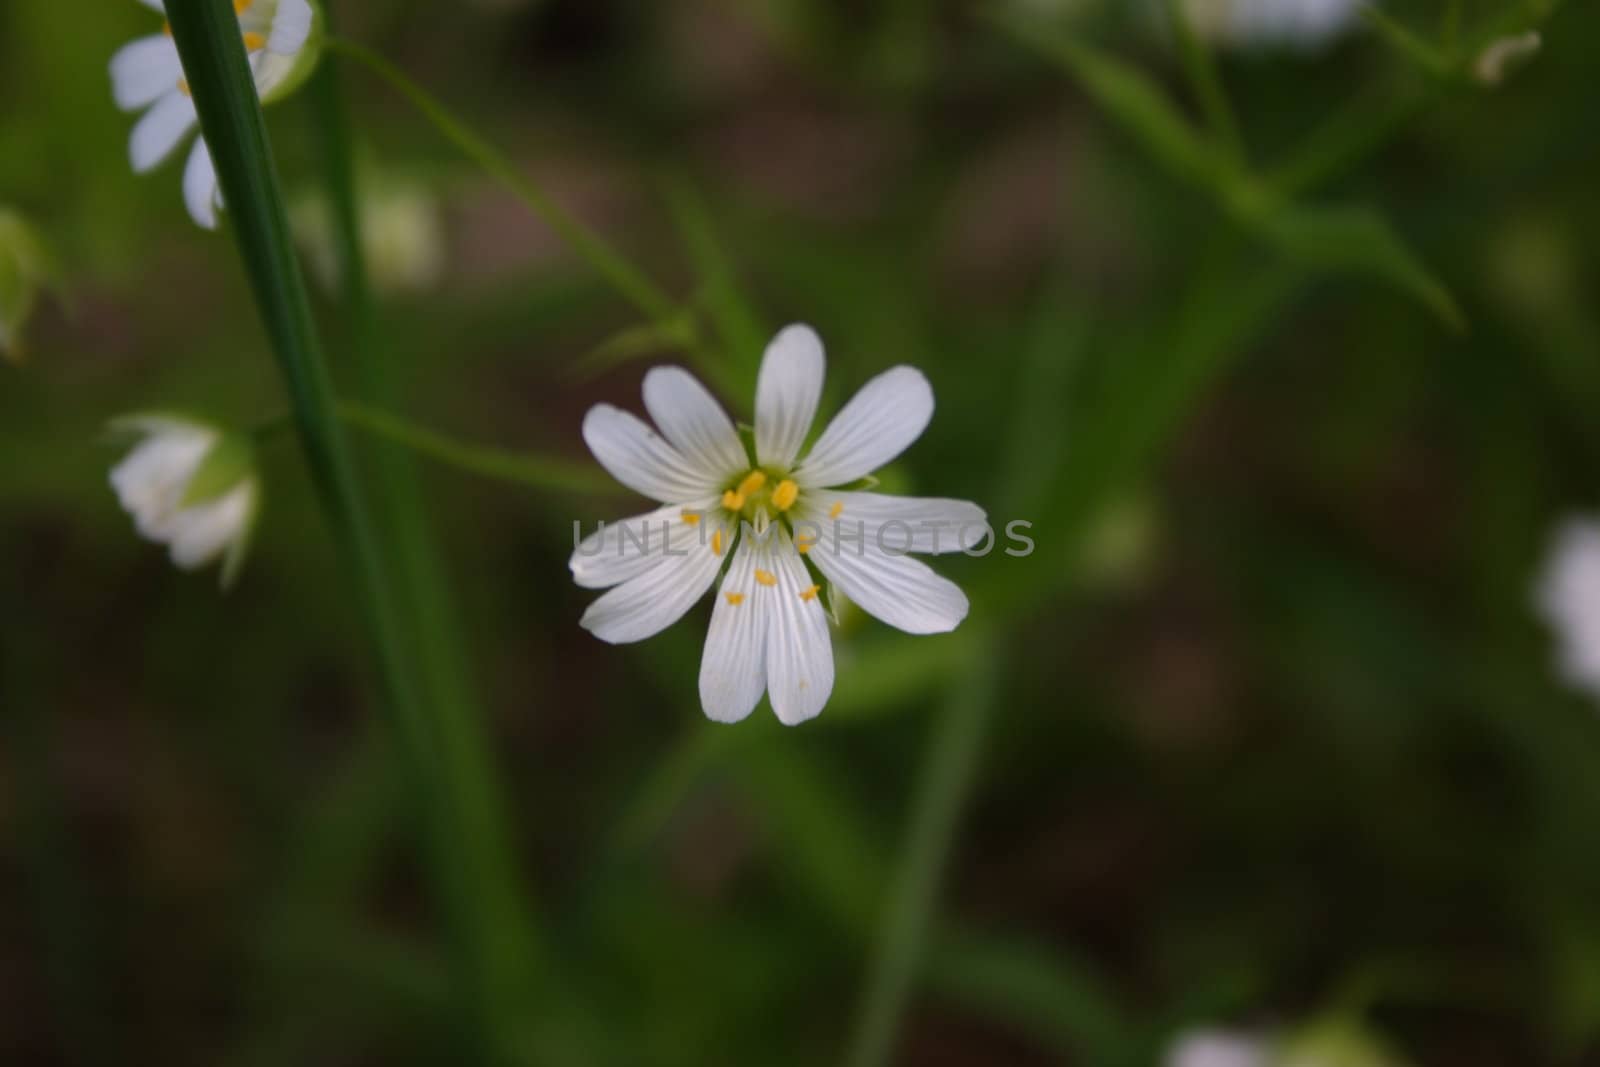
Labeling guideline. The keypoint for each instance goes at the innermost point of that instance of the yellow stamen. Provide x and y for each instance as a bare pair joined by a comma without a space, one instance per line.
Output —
241,6
810,594
716,543
752,481
166,28
254,42
784,496
766,578
690,517
733,500
183,87
804,546
735,598
837,509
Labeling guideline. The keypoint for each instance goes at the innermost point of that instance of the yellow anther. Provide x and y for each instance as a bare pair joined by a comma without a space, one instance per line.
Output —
752,481
733,500
254,42
716,543
810,594
735,598
804,546
183,87
690,517
166,28
837,509
766,578
783,497
241,6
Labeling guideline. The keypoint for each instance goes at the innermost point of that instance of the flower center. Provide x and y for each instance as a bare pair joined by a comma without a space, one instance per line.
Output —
761,495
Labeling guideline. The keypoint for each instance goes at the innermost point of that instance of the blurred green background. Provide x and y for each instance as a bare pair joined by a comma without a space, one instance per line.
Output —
1264,735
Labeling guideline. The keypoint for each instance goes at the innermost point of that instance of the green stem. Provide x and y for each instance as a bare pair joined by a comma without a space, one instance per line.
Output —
209,44
1201,69
623,276
944,782
537,472
483,893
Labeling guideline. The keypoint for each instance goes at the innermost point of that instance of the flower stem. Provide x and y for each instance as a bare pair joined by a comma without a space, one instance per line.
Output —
1206,83
534,471
606,261
478,869
945,780
451,804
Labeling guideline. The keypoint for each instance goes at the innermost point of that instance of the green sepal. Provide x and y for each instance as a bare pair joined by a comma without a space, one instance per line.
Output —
233,561
231,460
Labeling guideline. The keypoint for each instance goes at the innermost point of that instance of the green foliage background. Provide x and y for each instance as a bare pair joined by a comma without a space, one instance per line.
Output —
1264,734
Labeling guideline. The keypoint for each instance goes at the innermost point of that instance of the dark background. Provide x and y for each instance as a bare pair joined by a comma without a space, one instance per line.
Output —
1265,734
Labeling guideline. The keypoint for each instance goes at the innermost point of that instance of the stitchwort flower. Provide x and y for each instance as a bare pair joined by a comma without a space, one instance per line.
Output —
190,485
775,526
146,74
1568,596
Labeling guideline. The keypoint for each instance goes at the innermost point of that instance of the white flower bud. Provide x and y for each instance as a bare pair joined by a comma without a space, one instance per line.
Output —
190,485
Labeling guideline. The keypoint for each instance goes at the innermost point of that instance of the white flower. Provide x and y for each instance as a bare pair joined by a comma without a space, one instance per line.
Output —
758,523
402,235
1568,595
1257,23
1218,1048
190,485
147,74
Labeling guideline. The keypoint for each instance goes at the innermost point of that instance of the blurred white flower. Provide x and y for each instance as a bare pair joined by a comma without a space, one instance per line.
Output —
190,485
1272,23
1219,1048
755,518
402,236
147,74
1505,55
1568,595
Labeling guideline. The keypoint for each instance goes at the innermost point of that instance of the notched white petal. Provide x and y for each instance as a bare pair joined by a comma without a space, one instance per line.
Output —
144,70
895,524
880,422
159,131
733,672
200,193
898,590
799,649
620,550
648,603
692,420
787,392
641,459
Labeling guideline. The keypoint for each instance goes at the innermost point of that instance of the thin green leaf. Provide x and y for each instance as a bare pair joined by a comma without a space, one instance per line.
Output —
1360,241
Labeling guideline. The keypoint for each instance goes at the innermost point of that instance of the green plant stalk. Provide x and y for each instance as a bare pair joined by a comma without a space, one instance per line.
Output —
209,44
533,471
1201,69
944,781
606,261
494,930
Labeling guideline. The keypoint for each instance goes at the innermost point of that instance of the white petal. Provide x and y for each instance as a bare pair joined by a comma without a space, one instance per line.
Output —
151,480
621,550
200,193
799,651
142,70
898,590
648,603
694,422
733,672
787,392
159,131
641,459
879,423
203,532
154,5
895,524
1218,1048
291,26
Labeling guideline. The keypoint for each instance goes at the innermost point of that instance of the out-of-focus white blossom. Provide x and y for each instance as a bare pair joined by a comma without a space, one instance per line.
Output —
1303,24
1505,55
402,236
1219,1048
1568,595
189,485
